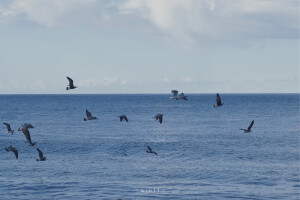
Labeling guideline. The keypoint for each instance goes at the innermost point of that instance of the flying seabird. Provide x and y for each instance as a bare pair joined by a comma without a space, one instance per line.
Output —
149,150
182,96
71,85
123,117
24,128
218,101
249,128
175,92
42,158
159,116
11,148
89,116
8,128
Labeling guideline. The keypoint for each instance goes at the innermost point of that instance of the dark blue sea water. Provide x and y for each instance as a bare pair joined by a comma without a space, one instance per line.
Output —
202,154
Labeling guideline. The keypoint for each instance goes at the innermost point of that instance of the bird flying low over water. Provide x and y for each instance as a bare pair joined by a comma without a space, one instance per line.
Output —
8,128
149,150
218,101
89,116
11,148
249,128
71,84
123,117
159,116
175,92
24,128
42,158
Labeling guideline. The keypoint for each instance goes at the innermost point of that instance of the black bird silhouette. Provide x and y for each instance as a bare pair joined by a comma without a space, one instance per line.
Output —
123,117
11,148
149,150
218,101
71,85
42,158
24,128
249,128
8,128
89,116
159,116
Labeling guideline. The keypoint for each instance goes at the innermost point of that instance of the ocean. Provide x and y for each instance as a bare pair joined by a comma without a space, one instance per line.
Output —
202,154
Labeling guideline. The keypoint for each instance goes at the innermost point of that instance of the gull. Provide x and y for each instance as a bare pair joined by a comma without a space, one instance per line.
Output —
42,158
249,127
182,96
89,116
11,148
8,128
24,128
123,117
149,150
175,92
159,116
218,101
71,85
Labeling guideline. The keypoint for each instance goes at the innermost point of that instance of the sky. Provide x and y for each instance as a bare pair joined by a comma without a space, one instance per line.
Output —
149,46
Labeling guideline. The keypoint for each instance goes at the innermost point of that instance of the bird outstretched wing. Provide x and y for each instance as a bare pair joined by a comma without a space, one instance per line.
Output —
70,81
88,114
40,153
250,126
218,99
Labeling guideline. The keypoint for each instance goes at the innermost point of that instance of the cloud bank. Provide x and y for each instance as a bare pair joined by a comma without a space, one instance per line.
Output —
185,20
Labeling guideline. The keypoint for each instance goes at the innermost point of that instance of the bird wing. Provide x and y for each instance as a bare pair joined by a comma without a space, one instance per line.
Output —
175,92
160,119
218,99
242,129
70,81
250,126
28,125
149,148
27,134
7,125
126,118
15,152
88,114
40,153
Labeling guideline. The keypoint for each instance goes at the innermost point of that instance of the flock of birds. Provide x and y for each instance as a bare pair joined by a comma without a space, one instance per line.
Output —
24,128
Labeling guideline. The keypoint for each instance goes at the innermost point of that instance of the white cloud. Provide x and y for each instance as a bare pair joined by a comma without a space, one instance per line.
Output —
38,85
191,20
108,81
124,82
184,20
186,80
88,83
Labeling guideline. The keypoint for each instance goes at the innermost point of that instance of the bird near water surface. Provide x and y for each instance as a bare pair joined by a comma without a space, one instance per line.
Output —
89,116
24,128
218,101
249,127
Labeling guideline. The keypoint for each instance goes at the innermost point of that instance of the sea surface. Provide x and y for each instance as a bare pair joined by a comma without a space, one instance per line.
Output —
202,154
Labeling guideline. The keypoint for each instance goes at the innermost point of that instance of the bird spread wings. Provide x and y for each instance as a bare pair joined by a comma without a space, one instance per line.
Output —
149,149
123,117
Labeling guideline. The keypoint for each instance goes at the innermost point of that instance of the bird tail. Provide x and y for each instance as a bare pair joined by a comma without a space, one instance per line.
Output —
67,88
6,149
85,119
12,132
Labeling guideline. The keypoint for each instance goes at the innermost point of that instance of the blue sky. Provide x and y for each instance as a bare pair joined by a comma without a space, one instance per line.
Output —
149,46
